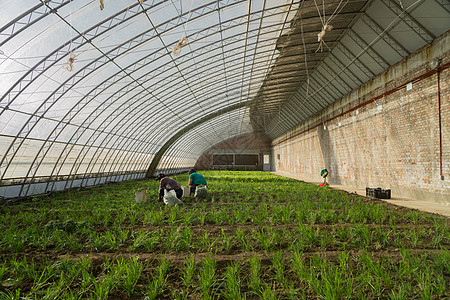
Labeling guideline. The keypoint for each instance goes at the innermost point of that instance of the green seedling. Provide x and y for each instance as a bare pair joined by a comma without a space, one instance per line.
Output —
188,271
130,273
255,275
227,241
277,262
206,276
232,282
159,279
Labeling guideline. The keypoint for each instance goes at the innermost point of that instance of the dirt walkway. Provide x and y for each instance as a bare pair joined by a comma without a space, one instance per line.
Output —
428,206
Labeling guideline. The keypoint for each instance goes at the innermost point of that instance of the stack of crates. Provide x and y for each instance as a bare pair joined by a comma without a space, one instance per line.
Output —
378,193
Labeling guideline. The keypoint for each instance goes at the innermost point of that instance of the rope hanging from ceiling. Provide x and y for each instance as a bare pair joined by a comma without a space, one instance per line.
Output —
320,36
326,26
70,62
183,41
69,66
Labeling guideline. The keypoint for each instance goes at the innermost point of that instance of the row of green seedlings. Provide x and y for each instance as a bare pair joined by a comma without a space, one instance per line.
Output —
240,189
237,214
282,275
246,238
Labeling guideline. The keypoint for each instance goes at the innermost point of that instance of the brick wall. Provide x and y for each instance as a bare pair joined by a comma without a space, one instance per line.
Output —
383,134
247,143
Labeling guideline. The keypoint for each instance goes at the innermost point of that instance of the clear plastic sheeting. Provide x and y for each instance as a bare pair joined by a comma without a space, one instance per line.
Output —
89,92
185,151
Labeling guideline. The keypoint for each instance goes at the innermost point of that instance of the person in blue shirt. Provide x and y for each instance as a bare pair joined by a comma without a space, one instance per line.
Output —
195,180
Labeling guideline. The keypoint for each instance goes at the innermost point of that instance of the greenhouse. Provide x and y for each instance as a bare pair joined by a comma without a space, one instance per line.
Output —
266,99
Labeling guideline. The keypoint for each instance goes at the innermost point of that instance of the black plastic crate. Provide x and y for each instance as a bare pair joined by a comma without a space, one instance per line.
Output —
378,193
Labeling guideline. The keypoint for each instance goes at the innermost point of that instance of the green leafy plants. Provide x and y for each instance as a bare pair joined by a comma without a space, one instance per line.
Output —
257,240
207,276
232,282
158,279
187,273
255,274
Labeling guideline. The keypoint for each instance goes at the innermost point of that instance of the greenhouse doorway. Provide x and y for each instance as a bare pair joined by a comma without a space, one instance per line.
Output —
266,162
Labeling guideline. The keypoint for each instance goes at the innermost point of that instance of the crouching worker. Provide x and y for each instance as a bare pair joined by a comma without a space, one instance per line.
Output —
324,174
169,190
197,180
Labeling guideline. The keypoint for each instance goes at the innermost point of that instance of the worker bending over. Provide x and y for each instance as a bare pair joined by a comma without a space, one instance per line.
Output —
167,183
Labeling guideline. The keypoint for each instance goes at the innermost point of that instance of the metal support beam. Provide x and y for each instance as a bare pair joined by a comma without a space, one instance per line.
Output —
154,164
383,34
368,49
412,23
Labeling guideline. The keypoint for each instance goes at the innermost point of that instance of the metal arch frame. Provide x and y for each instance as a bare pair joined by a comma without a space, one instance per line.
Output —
136,141
295,97
208,58
254,53
162,151
185,142
302,94
249,9
29,19
94,28
19,83
151,169
369,50
61,53
222,52
349,55
384,35
107,155
175,64
273,52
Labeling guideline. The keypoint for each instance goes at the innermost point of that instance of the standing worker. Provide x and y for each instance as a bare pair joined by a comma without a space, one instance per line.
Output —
168,184
195,180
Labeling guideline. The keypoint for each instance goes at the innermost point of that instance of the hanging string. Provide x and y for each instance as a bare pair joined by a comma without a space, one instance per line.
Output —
326,26
183,41
102,4
69,66
177,49
321,35
70,62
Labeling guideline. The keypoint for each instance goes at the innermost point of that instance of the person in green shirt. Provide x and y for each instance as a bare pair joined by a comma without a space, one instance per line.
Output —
195,180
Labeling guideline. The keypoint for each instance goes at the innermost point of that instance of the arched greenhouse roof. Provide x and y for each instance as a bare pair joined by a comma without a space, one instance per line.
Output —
100,90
